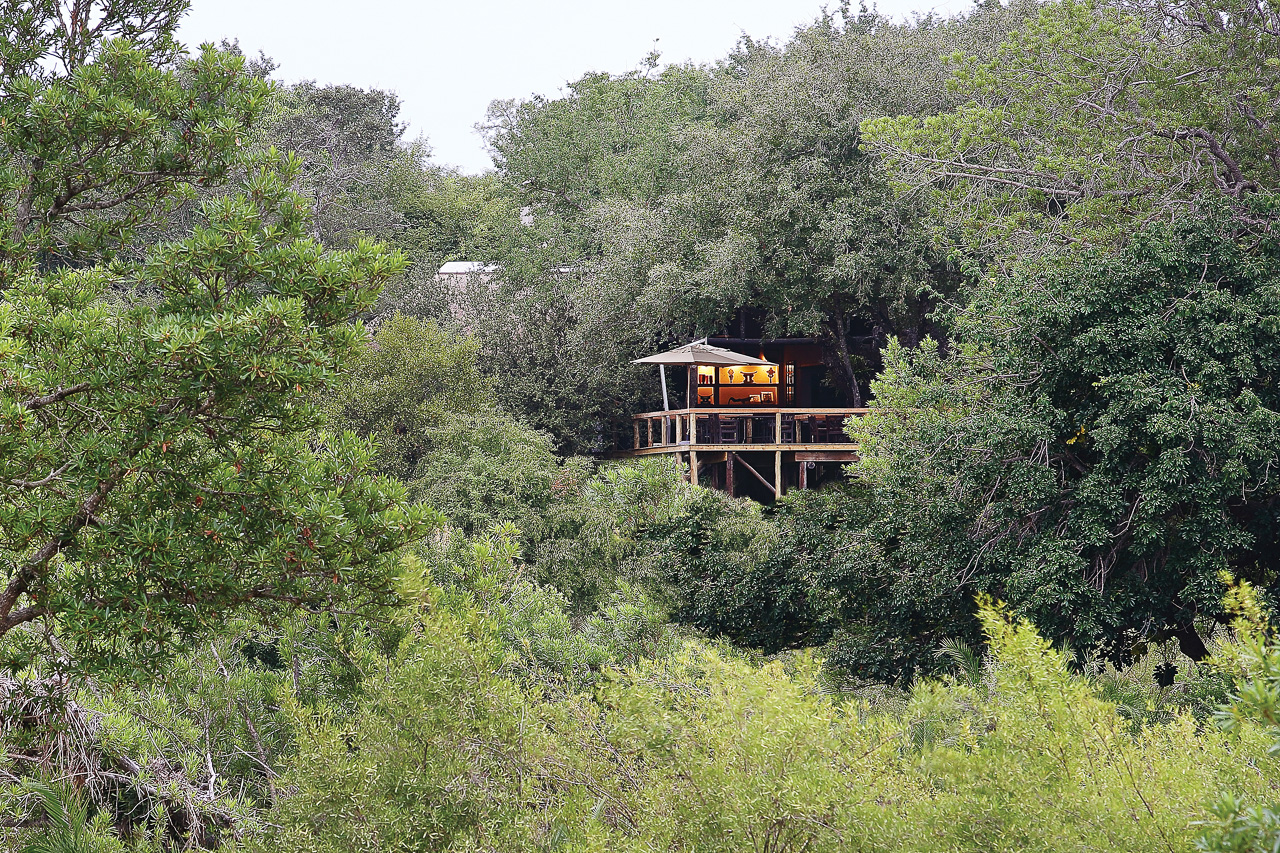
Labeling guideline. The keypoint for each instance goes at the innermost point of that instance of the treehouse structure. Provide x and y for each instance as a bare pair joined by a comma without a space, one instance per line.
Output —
757,419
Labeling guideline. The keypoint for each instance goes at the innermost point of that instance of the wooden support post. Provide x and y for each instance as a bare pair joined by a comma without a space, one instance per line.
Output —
777,432
804,475
649,421
728,473
679,425
693,467
754,473
635,427
777,472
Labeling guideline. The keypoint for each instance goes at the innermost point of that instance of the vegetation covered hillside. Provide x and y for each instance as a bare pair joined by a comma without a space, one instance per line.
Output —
302,549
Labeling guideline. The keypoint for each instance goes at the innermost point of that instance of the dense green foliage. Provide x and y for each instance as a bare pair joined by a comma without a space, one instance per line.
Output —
157,469
1097,450
704,751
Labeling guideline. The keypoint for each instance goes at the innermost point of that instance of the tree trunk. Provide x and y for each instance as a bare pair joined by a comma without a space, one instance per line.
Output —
840,331
1190,643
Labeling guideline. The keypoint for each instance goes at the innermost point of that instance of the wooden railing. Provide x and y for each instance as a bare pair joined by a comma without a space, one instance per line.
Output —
770,427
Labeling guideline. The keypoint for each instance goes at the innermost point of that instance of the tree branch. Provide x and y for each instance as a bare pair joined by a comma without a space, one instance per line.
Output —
49,399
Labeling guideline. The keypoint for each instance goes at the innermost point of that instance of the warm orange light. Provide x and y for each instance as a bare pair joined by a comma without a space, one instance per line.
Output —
749,374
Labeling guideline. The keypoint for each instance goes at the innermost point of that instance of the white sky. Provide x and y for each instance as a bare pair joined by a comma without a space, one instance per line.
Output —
447,59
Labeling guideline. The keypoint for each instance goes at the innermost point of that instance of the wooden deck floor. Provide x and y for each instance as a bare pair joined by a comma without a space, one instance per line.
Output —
736,437
843,447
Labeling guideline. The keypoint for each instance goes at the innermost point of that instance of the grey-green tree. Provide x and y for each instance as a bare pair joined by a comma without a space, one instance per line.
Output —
1096,118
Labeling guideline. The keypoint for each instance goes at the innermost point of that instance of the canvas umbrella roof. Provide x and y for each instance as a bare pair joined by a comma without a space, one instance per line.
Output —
700,353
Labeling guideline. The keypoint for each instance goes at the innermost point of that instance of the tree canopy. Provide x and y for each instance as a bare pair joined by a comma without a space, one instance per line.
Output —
1177,102
157,463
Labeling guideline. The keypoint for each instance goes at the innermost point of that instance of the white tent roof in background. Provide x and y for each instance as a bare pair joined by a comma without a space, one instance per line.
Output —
465,268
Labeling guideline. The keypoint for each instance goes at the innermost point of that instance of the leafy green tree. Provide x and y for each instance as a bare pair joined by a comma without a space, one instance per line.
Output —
408,380
1239,823
609,137
158,463
103,121
489,469
598,534
541,370
663,206
366,180
355,169
786,578
417,391
1096,118
1096,452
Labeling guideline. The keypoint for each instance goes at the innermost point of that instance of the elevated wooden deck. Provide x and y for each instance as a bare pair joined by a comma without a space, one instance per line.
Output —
711,435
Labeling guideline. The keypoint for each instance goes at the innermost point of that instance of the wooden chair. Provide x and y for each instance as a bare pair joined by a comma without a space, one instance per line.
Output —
703,427
788,430
728,430
829,429
760,430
